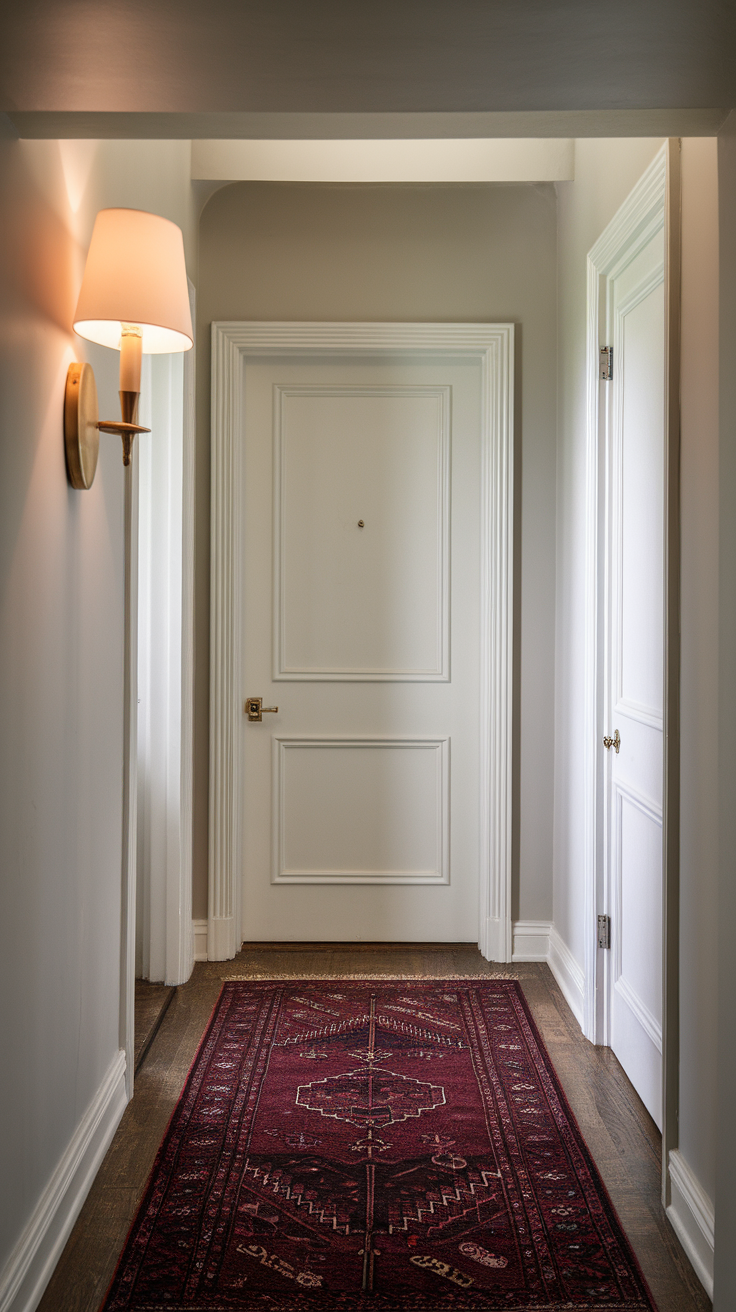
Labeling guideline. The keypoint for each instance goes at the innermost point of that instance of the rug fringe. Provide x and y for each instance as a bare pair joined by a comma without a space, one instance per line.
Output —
296,975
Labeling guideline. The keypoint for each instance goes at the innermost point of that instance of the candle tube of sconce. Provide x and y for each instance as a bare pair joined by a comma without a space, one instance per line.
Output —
131,343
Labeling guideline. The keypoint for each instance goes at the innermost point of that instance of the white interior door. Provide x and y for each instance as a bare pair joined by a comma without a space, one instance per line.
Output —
634,647
361,507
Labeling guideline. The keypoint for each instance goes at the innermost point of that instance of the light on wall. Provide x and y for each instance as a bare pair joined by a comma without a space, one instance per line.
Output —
134,298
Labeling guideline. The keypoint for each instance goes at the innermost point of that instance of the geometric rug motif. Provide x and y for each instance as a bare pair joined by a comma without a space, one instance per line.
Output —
401,1146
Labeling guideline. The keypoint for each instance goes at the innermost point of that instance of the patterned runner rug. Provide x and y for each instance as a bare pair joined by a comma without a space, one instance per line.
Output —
363,1144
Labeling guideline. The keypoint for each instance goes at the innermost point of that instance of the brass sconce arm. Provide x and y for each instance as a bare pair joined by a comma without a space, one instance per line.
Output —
127,426
82,425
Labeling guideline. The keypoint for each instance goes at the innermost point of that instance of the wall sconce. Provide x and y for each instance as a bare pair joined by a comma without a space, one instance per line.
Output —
134,298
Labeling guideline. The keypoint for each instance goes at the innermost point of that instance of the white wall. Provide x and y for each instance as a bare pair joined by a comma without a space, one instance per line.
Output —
605,173
699,659
61,694
725,1267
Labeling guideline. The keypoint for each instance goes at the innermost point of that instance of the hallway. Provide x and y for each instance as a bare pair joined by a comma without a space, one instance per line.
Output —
620,1134
512,251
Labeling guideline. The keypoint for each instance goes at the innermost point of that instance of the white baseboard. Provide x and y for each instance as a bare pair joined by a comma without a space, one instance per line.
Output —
199,934
531,940
538,940
568,973
692,1218
30,1265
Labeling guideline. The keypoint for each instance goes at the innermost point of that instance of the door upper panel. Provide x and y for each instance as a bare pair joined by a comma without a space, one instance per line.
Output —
362,531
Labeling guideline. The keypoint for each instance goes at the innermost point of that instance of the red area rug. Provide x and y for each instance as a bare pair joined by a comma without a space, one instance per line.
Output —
351,1144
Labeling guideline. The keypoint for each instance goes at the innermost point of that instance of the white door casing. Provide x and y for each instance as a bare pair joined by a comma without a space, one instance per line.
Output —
309,648
166,667
625,627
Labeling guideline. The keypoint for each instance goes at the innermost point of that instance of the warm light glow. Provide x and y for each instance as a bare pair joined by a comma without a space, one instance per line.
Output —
135,274
156,340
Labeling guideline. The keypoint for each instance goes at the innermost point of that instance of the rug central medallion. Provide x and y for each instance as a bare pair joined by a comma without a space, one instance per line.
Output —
372,1095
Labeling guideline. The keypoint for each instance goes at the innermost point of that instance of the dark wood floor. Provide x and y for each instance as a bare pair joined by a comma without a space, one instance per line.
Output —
620,1134
151,1004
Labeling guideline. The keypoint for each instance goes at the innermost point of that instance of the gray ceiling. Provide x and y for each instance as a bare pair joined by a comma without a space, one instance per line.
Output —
260,58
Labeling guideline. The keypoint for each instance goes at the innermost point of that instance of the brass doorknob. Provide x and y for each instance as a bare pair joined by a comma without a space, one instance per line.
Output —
255,710
614,742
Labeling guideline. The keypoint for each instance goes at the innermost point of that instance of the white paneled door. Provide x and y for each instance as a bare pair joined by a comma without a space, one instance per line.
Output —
360,577
634,651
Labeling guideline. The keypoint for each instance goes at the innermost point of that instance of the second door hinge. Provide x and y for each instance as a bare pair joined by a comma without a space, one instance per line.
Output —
606,359
604,931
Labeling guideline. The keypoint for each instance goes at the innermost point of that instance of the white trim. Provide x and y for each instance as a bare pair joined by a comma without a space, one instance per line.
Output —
692,1217
184,946
384,159
126,1011
165,669
531,940
441,873
31,1262
538,940
199,940
568,973
492,345
630,227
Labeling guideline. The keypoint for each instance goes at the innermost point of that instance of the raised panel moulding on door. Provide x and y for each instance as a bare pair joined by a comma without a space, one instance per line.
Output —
638,711
626,794
648,1022
316,429
344,844
629,655
492,346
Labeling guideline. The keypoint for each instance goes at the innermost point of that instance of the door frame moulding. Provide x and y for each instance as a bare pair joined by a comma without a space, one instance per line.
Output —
655,200
166,670
492,345
126,1019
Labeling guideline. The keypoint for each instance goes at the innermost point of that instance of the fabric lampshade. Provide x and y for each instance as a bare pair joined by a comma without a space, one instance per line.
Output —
135,274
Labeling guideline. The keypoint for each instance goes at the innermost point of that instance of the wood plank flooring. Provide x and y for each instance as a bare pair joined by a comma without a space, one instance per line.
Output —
151,1004
621,1135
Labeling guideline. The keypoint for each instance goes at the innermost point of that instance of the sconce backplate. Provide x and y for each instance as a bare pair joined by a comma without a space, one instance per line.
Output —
81,434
